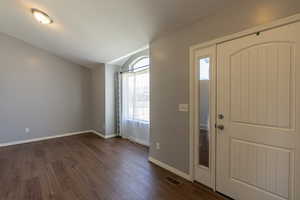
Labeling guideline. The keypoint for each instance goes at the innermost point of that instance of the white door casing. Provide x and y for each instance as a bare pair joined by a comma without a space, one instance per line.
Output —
203,174
258,85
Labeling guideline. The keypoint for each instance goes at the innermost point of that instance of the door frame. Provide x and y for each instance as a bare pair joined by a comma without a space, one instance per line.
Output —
209,51
192,52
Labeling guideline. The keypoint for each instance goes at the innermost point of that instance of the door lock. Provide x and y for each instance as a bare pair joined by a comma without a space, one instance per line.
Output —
220,127
220,116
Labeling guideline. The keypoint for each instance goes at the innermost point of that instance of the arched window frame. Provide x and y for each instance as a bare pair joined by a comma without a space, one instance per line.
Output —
131,81
134,62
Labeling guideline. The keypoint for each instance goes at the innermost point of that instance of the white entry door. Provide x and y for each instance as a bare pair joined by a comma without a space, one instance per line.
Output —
259,96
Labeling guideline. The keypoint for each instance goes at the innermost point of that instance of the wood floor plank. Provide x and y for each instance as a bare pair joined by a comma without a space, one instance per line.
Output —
87,167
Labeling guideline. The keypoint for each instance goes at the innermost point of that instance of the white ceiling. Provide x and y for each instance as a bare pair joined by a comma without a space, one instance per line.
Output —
93,31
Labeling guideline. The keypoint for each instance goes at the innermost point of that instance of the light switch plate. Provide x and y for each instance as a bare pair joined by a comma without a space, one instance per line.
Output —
183,107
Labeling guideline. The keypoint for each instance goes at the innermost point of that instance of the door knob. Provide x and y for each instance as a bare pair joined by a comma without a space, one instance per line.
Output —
220,116
220,127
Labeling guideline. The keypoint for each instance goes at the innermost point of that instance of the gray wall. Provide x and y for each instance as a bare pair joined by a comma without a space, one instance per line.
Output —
40,91
110,113
170,71
98,98
103,98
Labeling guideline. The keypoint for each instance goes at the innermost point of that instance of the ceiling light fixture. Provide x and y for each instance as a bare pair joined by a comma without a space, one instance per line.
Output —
41,16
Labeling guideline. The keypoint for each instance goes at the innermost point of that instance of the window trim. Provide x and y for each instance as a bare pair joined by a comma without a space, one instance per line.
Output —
135,61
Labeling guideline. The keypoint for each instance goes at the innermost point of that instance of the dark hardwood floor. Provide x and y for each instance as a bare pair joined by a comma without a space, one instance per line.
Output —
86,167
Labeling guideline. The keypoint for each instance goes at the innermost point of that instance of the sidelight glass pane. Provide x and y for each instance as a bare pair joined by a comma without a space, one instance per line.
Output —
204,68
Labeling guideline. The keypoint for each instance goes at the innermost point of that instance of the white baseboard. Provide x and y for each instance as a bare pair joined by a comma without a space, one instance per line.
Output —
137,141
171,169
102,135
141,142
110,136
56,136
43,138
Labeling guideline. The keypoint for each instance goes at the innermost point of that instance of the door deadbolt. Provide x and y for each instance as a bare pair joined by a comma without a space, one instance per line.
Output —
220,127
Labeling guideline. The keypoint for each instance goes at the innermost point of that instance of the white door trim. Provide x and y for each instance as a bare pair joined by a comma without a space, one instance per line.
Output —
194,48
263,27
207,174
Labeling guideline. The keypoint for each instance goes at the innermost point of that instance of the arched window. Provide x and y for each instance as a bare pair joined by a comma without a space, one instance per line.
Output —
136,91
140,64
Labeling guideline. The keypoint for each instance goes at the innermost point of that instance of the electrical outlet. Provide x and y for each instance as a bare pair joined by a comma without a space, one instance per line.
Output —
157,145
27,130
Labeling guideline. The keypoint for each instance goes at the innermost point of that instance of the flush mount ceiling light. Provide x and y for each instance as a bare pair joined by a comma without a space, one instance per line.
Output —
41,16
